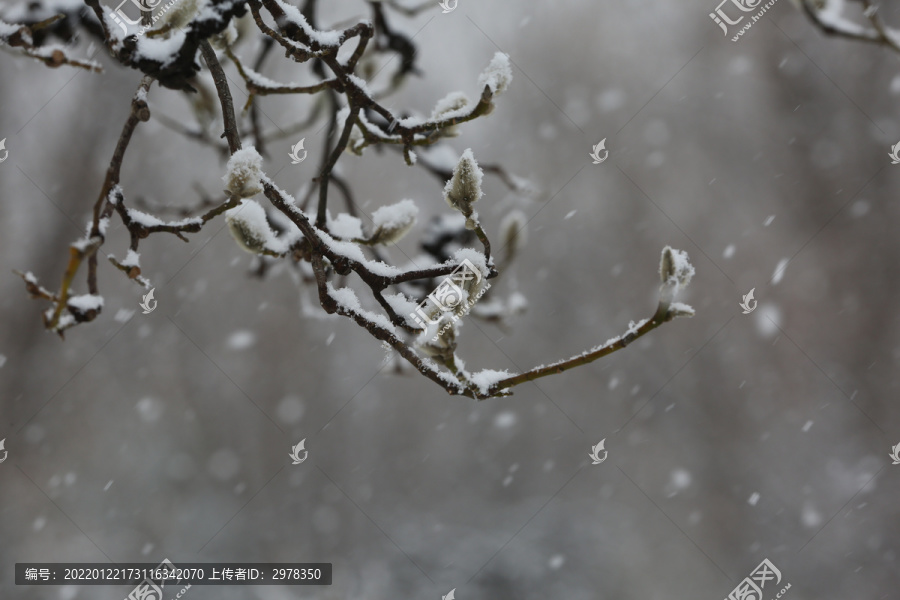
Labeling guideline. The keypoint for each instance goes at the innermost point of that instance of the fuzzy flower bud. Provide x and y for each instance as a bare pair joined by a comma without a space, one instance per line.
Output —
249,227
244,172
675,272
464,188
180,15
514,232
675,268
393,222
454,104
498,74
677,309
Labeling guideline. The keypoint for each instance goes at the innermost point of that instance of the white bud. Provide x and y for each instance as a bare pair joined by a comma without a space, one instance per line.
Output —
677,309
514,232
675,272
675,268
249,227
498,74
244,172
464,188
393,222
454,104
180,14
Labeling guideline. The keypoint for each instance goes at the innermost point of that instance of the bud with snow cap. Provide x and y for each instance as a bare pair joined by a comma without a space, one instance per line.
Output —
498,74
464,188
249,227
675,268
495,79
454,104
243,173
678,309
174,16
675,272
392,222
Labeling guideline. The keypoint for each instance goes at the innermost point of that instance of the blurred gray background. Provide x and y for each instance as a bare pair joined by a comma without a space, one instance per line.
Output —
731,437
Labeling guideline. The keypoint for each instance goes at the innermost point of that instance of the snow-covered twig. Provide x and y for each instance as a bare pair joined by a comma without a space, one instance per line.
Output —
22,36
326,249
828,16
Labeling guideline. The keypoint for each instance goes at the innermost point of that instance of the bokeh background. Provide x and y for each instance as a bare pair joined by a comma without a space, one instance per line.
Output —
731,437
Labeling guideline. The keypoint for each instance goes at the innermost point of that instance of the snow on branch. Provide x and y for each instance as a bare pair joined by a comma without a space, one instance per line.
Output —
414,308
171,59
53,55
831,17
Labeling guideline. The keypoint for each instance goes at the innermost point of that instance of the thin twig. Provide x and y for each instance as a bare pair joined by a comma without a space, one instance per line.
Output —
231,129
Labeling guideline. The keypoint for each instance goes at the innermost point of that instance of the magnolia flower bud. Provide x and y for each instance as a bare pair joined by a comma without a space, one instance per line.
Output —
244,172
675,271
464,188
452,105
498,74
514,232
675,268
677,309
249,227
452,102
180,14
393,222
